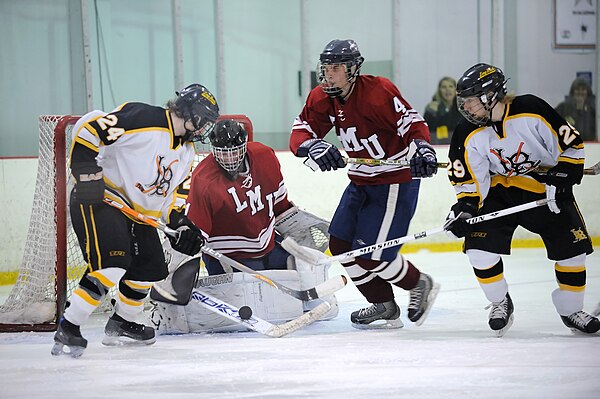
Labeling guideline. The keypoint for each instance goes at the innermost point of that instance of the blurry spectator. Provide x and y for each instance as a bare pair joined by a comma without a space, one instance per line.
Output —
441,113
579,109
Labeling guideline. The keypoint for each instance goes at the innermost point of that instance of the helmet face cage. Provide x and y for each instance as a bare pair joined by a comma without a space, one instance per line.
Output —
229,142
483,83
199,106
339,52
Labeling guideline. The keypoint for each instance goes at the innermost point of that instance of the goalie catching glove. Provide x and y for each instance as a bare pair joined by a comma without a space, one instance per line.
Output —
305,228
321,155
189,238
89,186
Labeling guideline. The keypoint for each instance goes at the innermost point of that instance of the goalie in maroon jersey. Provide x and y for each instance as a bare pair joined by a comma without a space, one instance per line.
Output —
372,120
239,201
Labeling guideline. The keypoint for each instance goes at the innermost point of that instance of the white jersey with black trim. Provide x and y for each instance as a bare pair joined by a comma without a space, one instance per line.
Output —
144,164
531,134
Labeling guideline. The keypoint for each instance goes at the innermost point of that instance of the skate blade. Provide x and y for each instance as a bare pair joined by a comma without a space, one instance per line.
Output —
430,300
59,349
502,331
380,325
120,340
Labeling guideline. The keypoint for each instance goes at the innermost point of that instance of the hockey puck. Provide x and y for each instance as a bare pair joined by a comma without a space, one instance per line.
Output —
245,312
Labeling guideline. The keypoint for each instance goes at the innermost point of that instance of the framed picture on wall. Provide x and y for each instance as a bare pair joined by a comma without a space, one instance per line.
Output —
574,24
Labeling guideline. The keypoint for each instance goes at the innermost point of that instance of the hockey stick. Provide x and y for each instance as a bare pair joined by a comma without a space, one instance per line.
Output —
292,247
591,171
376,162
256,323
324,289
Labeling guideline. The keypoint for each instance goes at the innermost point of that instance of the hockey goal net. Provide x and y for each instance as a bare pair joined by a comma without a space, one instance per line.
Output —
52,263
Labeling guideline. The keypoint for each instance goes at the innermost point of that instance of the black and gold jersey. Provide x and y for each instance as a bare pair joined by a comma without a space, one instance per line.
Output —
530,135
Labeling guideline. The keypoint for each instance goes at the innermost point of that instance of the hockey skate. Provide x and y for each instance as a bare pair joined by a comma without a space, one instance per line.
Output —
69,335
422,298
119,331
377,316
582,322
501,315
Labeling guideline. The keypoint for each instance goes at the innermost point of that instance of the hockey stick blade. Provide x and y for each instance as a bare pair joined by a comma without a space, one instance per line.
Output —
255,323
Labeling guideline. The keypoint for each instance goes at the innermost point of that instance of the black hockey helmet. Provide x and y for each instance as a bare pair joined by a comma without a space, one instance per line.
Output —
485,82
195,103
339,52
228,142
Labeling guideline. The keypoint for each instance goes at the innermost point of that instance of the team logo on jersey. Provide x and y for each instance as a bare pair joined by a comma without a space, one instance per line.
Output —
162,183
341,115
247,183
579,235
517,163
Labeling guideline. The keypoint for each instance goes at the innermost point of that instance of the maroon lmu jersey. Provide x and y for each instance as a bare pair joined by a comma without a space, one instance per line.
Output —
374,122
238,217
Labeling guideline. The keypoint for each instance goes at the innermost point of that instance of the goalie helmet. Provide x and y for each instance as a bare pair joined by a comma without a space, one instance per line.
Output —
344,52
228,142
196,104
485,83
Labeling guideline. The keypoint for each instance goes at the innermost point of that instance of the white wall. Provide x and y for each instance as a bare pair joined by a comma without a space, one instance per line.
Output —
262,54
317,192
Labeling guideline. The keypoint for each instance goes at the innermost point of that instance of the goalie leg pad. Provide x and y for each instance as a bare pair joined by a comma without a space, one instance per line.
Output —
237,289
305,228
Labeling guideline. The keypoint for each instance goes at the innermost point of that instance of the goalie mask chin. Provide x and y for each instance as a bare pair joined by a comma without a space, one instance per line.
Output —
229,141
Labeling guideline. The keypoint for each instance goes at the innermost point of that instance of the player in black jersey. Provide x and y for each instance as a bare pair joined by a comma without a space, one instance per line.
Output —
494,155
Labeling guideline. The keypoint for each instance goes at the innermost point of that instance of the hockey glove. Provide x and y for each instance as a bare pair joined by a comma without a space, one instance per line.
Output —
559,184
89,185
189,238
423,162
321,155
456,222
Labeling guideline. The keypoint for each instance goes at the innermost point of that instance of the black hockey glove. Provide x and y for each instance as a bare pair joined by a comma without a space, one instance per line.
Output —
189,238
423,162
559,184
323,155
89,185
456,222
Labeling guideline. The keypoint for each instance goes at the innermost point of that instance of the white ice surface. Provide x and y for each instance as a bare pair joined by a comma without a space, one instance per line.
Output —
452,355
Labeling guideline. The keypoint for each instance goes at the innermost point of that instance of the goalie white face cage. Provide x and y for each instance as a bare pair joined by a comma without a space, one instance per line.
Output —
52,263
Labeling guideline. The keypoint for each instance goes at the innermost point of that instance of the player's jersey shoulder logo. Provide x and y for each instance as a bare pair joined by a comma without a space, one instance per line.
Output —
162,183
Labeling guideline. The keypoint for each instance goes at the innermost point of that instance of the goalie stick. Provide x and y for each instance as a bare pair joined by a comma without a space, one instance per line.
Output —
256,323
591,171
324,289
293,248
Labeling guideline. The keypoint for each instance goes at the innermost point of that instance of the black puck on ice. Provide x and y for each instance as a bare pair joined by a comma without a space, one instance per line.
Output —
245,312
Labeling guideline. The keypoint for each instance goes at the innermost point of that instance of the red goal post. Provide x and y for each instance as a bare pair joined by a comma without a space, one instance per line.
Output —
52,263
